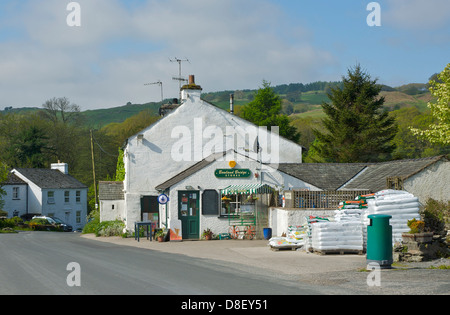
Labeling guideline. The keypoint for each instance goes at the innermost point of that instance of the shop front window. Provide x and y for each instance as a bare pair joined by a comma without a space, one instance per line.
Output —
237,204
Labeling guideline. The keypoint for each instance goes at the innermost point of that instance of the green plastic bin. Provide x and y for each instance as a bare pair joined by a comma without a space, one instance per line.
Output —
379,240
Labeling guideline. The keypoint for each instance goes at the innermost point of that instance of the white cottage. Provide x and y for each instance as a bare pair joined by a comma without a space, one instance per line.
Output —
49,192
189,133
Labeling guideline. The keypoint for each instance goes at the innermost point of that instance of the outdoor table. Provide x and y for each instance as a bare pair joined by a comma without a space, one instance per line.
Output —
137,226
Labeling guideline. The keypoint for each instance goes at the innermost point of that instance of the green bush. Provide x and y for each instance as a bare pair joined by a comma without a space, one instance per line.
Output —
437,216
110,228
93,222
106,228
7,223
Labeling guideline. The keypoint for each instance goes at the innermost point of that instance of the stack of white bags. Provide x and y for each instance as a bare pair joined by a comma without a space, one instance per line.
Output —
348,231
337,236
399,204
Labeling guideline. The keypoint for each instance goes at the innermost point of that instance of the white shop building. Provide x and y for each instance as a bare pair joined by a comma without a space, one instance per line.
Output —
192,155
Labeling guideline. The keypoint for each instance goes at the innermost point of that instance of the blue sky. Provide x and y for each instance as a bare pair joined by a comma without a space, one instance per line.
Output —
231,45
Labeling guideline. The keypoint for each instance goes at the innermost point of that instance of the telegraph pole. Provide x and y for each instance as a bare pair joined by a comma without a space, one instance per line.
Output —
93,171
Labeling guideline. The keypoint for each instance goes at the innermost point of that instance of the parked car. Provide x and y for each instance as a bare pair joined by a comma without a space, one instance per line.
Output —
57,222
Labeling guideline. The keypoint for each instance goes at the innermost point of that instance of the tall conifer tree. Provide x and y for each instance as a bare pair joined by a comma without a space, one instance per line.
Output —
357,128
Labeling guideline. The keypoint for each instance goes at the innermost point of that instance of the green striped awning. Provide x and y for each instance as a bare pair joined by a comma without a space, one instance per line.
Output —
247,189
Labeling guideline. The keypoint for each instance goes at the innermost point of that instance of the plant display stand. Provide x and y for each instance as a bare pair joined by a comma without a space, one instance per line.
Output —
242,225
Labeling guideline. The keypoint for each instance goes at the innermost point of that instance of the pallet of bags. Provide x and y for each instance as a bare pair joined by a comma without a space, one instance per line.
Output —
344,215
337,237
309,223
278,243
297,233
399,204
295,239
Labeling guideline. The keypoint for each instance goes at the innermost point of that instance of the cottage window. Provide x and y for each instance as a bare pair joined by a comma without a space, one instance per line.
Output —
50,197
16,193
78,217
66,196
78,196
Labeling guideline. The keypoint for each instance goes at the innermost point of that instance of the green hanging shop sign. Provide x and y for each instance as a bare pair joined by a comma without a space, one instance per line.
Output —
232,173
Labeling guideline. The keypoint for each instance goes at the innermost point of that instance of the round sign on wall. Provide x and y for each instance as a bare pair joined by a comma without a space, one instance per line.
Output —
163,199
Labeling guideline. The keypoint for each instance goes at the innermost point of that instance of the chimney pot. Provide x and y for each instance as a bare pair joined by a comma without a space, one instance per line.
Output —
191,79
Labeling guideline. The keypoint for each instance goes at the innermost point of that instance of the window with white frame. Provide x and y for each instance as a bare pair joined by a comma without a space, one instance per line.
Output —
15,193
78,217
230,204
50,196
78,196
66,196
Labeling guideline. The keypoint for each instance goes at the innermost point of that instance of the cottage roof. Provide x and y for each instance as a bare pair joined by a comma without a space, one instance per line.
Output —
13,180
374,176
50,179
188,172
110,191
325,176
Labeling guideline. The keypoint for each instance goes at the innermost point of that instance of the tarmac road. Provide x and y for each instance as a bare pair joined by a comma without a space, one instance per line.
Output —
329,274
36,263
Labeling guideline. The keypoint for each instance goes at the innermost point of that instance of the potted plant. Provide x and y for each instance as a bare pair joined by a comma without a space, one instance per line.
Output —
159,235
417,232
207,234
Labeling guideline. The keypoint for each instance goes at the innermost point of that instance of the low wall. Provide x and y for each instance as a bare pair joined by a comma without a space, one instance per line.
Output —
281,218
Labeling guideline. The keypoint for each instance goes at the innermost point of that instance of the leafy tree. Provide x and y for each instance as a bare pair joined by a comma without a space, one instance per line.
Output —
120,168
64,125
27,149
356,127
265,110
408,146
24,140
438,132
3,177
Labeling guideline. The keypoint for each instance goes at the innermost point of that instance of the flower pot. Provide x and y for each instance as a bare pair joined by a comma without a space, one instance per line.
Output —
208,237
160,239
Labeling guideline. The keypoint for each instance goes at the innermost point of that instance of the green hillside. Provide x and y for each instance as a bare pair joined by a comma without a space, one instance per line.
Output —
299,101
101,117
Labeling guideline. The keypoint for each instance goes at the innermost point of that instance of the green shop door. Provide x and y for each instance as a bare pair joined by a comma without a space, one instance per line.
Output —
188,213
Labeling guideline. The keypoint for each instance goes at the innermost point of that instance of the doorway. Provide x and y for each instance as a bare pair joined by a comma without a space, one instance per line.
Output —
188,213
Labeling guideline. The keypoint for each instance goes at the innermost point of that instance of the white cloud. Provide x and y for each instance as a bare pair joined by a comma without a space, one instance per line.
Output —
417,14
231,44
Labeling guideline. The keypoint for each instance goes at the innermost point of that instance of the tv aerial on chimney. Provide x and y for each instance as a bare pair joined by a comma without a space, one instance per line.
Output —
179,78
160,84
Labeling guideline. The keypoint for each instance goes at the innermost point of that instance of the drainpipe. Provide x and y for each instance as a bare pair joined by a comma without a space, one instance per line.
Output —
26,201
232,104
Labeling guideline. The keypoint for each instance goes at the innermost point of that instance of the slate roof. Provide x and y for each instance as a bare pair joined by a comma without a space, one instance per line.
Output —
13,180
325,176
374,176
110,191
50,179
189,171
335,176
